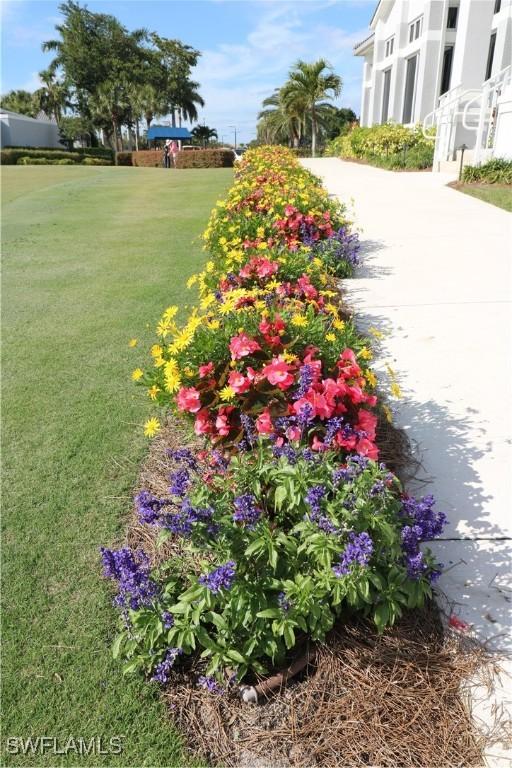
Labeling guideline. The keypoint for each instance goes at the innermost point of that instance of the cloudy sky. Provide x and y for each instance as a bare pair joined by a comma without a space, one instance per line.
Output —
247,46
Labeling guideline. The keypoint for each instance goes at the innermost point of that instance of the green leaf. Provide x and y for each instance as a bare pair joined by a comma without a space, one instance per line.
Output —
269,613
236,656
116,647
280,496
289,636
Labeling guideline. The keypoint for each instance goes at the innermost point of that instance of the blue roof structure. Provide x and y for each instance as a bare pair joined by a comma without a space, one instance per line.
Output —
168,132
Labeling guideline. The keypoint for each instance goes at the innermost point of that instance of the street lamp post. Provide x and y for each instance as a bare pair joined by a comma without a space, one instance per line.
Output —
233,126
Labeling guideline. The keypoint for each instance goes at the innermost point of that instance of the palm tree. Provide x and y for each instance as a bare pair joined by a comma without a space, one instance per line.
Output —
307,85
204,134
153,103
285,120
53,97
185,101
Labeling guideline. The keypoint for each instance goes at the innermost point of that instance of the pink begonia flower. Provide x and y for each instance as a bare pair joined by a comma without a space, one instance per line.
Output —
317,445
293,433
309,291
203,425
222,420
188,399
365,447
205,370
264,423
367,422
278,373
265,268
238,382
349,443
242,345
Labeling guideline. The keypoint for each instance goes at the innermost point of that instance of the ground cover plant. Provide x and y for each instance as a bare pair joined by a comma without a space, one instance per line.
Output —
88,255
389,145
494,171
286,521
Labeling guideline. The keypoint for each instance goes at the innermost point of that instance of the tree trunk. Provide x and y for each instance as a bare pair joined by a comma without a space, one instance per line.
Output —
116,137
136,135
179,118
173,118
313,132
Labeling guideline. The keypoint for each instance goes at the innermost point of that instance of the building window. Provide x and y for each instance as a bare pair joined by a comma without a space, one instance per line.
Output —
452,17
497,6
490,56
415,29
410,82
447,69
385,96
390,44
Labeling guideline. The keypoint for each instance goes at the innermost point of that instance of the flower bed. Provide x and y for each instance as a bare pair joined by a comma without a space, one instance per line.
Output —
285,522
389,145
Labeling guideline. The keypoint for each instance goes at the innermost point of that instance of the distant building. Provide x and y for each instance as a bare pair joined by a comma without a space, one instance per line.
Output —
21,131
446,63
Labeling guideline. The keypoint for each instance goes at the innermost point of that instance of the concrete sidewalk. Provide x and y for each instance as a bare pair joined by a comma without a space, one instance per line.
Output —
437,281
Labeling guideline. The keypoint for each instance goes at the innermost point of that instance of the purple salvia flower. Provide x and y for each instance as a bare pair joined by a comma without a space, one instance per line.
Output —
162,670
358,551
246,511
220,578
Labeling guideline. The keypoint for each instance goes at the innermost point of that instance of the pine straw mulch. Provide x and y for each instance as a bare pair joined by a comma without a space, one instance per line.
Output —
400,699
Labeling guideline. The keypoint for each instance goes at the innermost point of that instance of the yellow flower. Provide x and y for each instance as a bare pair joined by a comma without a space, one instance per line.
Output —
153,391
330,337
288,357
395,390
170,313
227,393
191,281
156,350
151,427
375,333
300,321
210,266
365,354
262,246
371,378
387,413
132,343
137,374
213,324
339,324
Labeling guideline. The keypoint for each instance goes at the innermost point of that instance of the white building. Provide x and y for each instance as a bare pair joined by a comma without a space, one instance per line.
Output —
445,63
22,131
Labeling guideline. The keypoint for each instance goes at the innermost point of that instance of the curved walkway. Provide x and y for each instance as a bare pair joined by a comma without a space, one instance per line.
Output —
437,281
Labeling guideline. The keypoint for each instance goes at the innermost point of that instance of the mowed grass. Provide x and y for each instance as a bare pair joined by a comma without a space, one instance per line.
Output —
91,257
496,194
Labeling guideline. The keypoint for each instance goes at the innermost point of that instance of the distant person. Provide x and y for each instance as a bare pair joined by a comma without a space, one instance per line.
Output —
174,152
167,153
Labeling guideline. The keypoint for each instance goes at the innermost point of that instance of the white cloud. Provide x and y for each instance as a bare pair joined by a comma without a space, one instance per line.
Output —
235,78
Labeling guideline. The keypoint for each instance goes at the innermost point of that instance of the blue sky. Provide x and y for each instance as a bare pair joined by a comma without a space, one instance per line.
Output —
248,46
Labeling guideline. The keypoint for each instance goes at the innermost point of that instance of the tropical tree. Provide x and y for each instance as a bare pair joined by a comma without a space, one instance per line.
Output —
308,85
53,96
187,97
20,101
283,118
204,134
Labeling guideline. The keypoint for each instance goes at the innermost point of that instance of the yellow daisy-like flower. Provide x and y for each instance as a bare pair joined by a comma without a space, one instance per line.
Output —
371,378
188,371
375,333
330,337
262,246
170,313
387,413
159,361
331,308
227,393
191,281
300,321
395,390
365,354
210,266
153,391
156,350
288,357
339,324
208,300
137,374
151,427
132,343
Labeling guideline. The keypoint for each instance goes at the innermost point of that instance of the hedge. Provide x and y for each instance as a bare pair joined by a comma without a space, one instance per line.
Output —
386,146
145,158
124,158
45,161
205,158
12,156
496,171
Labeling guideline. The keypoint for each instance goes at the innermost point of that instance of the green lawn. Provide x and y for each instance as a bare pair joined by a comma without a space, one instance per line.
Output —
91,256
495,194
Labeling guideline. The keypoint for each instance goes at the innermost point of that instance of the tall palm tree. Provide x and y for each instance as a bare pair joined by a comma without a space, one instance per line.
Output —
20,101
53,97
186,99
285,118
308,85
204,134
153,103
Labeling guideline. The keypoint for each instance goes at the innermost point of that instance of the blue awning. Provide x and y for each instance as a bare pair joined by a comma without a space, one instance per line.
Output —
168,132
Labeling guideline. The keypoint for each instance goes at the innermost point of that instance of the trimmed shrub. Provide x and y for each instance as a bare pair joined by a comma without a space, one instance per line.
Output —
11,155
146,158
496,171
125,158
95,161
386,146
45,161
205,158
